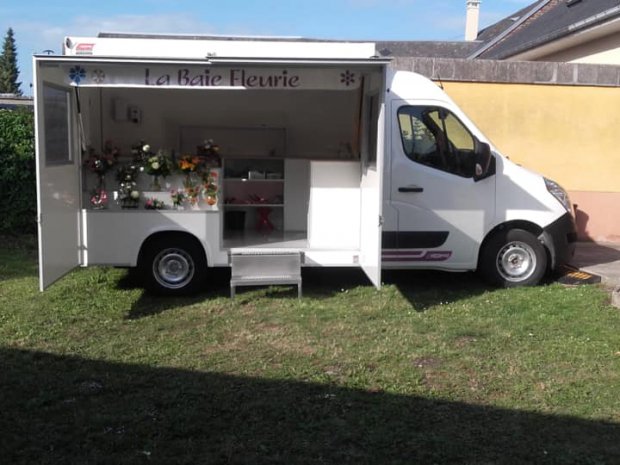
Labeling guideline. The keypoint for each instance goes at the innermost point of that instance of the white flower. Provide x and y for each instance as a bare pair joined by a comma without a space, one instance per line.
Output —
134,194
146,148
155,165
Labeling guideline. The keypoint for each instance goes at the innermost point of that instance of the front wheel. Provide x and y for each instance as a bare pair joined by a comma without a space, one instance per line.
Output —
173,265
513,258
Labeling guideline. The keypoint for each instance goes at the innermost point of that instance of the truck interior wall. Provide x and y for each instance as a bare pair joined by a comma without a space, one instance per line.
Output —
317,124
322,129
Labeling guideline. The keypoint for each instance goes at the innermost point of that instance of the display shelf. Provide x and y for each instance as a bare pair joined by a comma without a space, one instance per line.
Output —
253,205
252,184
279,180
144,187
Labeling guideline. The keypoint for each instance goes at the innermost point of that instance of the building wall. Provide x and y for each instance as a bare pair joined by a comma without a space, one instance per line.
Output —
604,51
567,133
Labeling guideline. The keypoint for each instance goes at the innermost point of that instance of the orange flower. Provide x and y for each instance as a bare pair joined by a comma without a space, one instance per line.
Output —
188,163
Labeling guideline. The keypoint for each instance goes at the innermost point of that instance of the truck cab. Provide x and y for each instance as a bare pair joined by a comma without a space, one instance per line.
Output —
455,203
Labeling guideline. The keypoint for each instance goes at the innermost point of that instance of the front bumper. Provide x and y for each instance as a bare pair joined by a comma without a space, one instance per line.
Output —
560,238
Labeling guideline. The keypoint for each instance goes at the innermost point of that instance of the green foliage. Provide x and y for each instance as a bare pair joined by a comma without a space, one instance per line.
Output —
17,172
8,66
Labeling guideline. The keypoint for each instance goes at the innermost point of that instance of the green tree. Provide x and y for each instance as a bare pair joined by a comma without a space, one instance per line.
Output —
8,66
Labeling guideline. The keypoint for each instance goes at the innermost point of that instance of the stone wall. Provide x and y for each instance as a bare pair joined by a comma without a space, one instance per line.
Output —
513,72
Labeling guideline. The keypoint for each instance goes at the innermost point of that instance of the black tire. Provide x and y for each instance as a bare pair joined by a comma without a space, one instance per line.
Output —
173,264
513,258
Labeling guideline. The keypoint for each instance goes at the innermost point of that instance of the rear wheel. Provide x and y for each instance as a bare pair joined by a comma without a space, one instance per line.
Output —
173,265
513,258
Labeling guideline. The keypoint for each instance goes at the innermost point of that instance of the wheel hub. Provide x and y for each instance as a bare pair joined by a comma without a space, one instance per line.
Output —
173,268
516,261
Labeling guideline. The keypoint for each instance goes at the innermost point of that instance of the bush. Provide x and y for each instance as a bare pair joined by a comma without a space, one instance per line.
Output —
17,172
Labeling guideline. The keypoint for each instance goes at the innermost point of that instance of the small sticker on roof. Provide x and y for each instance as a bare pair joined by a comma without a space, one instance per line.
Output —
84,49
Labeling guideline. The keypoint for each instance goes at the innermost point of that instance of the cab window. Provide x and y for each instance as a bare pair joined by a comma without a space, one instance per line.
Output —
435,137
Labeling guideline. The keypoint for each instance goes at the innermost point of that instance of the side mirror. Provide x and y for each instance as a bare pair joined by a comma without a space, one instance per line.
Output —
482,160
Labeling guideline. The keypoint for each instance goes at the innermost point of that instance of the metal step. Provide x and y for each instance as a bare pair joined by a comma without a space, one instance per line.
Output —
265,267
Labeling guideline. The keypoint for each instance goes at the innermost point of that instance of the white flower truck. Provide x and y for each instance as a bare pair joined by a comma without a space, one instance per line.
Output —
326,154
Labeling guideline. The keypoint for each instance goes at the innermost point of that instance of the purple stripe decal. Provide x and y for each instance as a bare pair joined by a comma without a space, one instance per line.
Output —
416,257
404,253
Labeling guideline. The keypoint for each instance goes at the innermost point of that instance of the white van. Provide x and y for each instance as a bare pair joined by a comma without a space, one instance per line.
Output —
325,150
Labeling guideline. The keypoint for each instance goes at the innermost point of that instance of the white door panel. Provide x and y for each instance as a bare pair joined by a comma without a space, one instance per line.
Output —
58,181
441,216
372,192
371,225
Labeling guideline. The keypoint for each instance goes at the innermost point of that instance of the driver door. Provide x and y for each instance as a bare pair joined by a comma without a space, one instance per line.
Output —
442,213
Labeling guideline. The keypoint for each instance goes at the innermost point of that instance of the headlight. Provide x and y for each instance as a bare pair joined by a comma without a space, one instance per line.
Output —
559,193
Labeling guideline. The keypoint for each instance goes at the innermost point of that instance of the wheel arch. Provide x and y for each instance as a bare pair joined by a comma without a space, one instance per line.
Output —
528,226
172,235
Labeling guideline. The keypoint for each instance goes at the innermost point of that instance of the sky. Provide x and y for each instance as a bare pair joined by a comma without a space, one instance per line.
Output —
41,25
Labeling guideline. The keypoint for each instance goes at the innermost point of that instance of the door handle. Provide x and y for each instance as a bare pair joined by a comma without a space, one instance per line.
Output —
411,189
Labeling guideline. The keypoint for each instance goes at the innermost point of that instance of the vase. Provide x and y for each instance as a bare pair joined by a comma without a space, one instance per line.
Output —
187,182
211,200
129,203
155,185
99,197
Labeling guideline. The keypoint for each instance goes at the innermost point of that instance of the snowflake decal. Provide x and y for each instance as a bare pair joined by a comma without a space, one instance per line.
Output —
347,78
98,76
76,74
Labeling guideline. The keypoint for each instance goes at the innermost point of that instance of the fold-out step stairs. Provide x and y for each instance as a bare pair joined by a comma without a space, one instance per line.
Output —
265,267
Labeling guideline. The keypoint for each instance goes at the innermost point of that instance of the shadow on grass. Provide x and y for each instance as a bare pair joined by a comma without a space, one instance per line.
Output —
317,283
148,304
423,289
59,409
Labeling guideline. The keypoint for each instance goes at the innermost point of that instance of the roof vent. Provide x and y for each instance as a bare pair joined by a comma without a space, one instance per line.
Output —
570,3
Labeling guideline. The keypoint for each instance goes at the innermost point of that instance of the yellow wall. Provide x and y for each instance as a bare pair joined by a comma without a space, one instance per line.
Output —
569,134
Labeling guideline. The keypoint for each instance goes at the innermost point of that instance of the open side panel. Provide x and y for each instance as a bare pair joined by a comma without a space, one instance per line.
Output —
372,179
58,181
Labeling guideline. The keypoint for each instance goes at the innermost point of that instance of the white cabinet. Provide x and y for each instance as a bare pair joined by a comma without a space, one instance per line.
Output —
335,205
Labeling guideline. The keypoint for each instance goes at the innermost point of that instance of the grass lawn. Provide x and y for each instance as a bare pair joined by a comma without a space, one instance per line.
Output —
432,369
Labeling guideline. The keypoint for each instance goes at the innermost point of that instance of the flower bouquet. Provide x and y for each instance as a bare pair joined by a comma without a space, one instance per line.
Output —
178,198
158,165
210,151
191,194
99,199
141,152
100,164
128,193
210,187
189,164
153,203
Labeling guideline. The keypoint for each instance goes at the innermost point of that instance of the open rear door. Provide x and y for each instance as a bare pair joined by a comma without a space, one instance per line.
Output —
372,177
58,179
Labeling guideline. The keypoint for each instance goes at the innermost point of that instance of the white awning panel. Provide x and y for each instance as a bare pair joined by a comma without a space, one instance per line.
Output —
248,74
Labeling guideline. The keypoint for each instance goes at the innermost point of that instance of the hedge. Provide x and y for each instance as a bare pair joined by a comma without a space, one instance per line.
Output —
17,172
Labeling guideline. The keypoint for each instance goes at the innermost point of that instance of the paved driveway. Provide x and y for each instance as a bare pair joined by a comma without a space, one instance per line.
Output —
600,259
